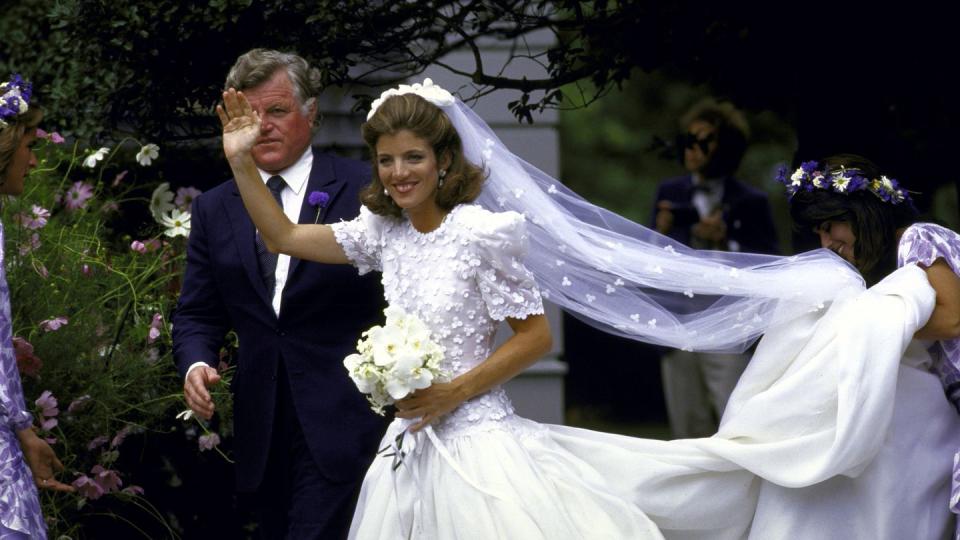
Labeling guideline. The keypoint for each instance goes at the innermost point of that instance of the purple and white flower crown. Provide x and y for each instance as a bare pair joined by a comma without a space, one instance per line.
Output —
14,99
811,176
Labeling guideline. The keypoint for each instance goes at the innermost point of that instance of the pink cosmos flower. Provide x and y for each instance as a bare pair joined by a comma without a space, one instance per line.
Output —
108,479
78,403
36,219
86,270
53,324
97,442
87,487
208,442
155,326
185,197
120,436
48,410
27,362
56,138
119,178
41,134
42,270
77,196
31,244
138,246
132,490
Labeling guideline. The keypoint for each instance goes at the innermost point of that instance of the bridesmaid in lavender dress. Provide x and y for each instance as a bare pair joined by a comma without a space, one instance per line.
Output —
26,461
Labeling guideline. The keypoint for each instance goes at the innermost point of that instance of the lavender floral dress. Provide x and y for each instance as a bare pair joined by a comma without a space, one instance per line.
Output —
924,243
20,515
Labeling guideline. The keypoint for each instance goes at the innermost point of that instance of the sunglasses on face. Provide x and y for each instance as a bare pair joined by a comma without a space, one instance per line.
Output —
689,140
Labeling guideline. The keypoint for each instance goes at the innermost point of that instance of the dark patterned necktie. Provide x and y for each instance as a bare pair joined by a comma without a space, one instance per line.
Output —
268,260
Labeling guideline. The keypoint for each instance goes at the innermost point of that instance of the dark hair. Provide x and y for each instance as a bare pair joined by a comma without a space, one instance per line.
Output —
874,222
411,112
733,133
11,135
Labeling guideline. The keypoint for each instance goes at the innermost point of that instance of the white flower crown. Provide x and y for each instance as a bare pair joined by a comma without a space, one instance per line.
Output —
428,91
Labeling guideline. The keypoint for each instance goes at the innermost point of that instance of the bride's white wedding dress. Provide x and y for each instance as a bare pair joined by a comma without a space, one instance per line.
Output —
828,434
481,472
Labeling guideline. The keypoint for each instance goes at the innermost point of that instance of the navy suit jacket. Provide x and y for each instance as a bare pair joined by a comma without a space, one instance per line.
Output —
746,211
323,311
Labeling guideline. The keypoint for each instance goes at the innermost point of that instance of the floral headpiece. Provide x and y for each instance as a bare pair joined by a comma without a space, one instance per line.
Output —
428,91
810,176
14,99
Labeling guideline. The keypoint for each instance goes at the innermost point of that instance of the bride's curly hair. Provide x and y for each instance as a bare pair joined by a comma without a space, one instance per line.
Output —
411,112
873,221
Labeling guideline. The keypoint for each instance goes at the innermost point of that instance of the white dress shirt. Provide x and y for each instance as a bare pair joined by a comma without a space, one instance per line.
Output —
295,178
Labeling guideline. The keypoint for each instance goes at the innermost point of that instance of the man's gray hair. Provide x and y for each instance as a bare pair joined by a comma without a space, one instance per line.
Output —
256,66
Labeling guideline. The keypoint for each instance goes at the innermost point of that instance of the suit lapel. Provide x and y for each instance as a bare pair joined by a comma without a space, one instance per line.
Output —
243,234
323,177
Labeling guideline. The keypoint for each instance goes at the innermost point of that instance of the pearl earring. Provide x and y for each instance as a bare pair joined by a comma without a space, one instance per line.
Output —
443,173
385,192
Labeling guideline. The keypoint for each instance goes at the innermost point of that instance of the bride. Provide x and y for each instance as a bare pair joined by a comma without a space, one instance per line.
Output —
816,402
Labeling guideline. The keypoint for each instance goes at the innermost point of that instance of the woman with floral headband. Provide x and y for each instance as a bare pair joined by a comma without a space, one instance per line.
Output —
869,220
26,461
471,468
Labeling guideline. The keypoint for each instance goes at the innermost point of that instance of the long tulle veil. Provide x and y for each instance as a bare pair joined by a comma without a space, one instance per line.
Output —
628,280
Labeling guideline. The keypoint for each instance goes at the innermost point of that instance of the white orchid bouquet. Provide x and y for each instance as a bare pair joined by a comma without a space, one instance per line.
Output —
395,359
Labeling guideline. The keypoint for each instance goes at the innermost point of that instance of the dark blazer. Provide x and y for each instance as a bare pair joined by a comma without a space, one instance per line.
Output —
746,211
323,311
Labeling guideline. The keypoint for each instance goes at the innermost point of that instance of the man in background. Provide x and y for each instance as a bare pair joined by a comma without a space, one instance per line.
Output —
708,208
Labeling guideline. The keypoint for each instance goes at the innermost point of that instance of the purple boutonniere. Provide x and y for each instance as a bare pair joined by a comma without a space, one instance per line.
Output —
319,200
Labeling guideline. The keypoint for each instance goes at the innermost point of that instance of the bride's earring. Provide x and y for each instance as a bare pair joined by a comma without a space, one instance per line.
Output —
443,173
385,192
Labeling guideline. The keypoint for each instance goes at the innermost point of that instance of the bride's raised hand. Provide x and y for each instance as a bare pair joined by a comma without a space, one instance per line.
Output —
241,124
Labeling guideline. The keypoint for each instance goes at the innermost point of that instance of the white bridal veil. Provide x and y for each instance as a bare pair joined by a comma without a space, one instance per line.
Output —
628,280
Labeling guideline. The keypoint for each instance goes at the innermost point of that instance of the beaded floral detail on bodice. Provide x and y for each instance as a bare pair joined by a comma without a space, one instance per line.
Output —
459,279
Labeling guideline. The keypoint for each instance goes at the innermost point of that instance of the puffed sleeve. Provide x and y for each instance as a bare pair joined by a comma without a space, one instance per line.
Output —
13,410
924,243
362,240
508,288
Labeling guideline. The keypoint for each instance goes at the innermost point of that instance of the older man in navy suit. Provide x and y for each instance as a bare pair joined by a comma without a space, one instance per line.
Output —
303,434
709,209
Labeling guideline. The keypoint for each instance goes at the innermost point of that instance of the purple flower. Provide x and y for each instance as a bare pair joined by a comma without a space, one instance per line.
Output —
185,197
97,442
48,403
132,490
120,436
87,487
86,270
31,244
78,403
108,479
36,219
118,178
155,325
138,246
56,138
48,410
78,195
208,442
319,200
53,324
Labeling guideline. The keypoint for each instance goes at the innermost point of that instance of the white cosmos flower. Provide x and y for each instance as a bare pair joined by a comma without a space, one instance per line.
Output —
177,223
161,201
93,158
147,154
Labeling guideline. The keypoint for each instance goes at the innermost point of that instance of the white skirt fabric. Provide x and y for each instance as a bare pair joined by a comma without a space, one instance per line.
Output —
827,435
